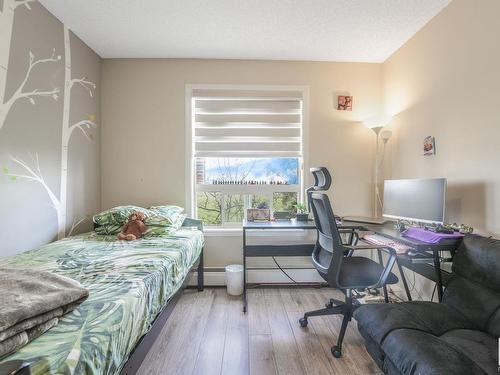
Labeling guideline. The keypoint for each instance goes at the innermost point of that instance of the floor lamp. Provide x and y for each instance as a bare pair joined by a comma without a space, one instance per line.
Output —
384,136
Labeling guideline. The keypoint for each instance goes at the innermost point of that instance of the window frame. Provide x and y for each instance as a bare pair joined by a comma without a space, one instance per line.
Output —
191,186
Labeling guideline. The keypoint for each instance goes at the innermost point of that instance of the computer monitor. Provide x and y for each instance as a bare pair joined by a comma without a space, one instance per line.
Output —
420,200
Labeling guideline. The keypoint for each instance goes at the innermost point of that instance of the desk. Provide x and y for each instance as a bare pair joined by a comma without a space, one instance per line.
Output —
279,250
430,271
272,250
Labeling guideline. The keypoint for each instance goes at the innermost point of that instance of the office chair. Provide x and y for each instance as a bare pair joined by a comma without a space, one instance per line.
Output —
346,273
322,182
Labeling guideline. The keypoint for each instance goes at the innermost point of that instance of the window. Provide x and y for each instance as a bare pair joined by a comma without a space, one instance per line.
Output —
246,152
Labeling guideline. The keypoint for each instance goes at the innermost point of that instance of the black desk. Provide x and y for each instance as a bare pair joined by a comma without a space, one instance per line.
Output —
272,250
430,271
279,250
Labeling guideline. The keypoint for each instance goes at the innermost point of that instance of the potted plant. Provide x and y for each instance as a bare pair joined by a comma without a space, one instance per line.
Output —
302,214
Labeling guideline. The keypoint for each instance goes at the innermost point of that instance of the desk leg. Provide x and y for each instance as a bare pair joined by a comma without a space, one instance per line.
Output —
244,271
437,267
384,287
403,279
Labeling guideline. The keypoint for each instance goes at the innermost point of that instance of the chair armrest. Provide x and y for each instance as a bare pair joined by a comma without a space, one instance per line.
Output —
388,266
353,239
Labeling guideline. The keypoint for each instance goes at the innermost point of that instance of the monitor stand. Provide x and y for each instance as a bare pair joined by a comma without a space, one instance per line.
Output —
363,219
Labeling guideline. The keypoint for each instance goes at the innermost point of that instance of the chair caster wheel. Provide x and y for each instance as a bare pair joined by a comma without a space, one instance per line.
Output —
336,351
330,304
303,322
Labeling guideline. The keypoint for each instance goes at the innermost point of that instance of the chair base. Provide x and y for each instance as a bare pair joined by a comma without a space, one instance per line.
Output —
334,307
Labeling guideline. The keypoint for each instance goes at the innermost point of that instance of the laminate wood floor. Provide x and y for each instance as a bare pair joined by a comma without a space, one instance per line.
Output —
208,333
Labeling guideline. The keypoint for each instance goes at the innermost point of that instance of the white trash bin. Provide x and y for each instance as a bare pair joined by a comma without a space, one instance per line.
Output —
234,279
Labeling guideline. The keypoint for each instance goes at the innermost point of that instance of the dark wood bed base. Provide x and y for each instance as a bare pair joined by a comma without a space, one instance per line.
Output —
144,345
146,342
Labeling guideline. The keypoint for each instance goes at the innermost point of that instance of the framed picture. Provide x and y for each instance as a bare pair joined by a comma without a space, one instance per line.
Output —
344,103
258,214
429,146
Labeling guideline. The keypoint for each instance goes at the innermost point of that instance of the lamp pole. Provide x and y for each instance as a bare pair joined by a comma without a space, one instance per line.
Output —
377,124
376,171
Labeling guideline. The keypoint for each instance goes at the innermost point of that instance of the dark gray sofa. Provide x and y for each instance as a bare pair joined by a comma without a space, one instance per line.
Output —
457,336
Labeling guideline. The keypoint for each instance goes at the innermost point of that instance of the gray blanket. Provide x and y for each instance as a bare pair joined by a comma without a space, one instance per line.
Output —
31,302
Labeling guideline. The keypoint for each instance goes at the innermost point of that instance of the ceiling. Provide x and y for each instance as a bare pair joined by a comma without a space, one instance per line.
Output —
317,30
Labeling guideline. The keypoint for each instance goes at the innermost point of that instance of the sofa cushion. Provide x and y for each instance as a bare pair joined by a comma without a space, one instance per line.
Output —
373,348
477,345
478,303
416,352
477,259
378,320
389,368
494,324
474,288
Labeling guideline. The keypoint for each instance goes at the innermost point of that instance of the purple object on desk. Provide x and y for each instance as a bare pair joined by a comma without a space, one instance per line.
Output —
428,236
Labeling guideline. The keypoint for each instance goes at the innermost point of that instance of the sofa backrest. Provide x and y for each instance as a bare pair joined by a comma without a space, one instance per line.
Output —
474,288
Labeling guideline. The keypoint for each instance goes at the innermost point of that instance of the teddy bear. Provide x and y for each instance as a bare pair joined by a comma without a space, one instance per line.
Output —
134,228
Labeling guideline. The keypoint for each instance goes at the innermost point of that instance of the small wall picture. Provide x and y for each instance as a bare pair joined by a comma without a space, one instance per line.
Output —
344,103
429,146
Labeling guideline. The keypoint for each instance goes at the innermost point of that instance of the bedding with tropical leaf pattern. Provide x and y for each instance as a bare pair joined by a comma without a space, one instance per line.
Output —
129,284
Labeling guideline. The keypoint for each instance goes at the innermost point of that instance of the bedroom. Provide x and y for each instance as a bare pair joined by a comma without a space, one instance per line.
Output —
191,113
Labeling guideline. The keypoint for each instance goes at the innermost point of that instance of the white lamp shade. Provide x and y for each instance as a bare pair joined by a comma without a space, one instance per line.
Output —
385,135
377,122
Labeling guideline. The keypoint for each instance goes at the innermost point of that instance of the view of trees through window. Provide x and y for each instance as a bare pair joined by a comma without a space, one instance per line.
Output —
226,187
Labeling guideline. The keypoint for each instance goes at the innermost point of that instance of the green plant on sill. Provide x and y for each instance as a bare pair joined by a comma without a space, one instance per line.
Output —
301,208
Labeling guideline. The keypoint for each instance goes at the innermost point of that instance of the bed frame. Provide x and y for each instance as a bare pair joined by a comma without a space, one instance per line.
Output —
146,342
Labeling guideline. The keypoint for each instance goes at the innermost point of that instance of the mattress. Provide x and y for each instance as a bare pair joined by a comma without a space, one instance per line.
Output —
129,284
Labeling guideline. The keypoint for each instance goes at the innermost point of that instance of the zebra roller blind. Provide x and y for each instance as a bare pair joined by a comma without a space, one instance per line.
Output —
247,123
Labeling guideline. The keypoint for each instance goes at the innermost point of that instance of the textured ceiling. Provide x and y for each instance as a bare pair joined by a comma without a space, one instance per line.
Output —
320,30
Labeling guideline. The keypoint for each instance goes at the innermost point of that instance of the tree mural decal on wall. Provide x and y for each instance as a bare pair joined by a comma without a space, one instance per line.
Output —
32,171
68,129
6,25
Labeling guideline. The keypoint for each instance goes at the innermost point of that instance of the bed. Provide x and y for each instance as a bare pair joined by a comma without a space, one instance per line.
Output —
133,288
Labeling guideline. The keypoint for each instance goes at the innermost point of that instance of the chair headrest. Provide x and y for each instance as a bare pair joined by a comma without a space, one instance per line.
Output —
322,178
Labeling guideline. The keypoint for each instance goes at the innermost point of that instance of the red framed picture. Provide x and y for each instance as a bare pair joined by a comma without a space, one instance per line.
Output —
344,103
429,146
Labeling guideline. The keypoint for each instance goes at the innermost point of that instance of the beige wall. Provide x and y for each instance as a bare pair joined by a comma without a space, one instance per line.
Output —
445,82
34,128
143,117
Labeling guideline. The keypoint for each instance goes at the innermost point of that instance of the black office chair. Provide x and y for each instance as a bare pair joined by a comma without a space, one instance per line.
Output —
322,182
322,179
346,273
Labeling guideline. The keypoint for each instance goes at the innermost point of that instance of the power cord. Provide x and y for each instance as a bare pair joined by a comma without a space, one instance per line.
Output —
412,287
433,291
284,272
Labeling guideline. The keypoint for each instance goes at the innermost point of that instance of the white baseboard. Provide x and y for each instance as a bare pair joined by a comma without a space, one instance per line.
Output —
218,278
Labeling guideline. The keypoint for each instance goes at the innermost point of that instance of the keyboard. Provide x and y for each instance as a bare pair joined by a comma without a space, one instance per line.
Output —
377,239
